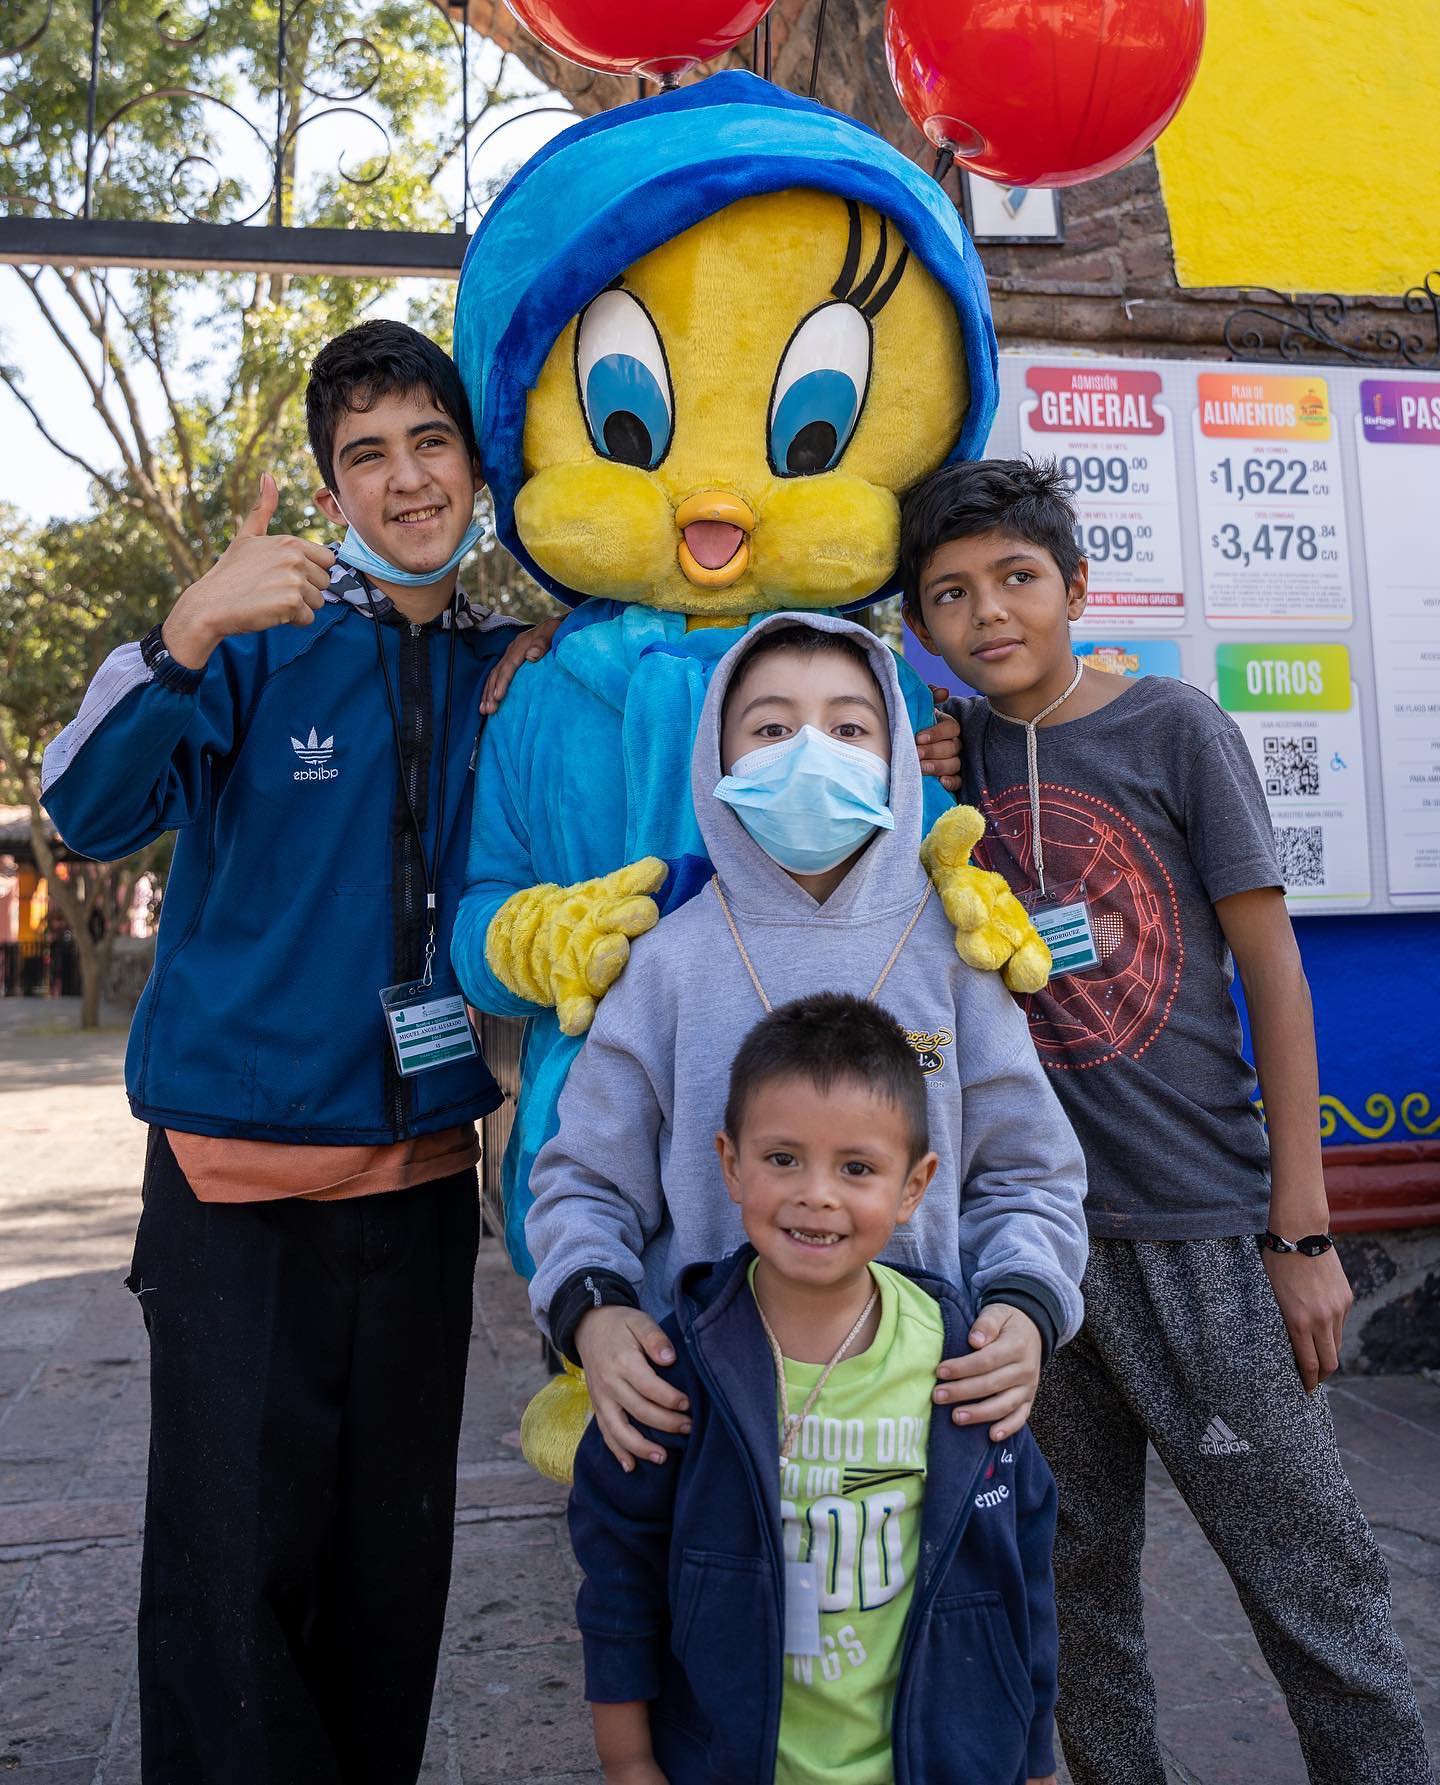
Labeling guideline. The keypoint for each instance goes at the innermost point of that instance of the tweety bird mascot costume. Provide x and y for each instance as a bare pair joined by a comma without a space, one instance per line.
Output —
708,338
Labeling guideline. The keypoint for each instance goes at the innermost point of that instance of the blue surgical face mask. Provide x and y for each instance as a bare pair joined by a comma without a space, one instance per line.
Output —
809,801
355,553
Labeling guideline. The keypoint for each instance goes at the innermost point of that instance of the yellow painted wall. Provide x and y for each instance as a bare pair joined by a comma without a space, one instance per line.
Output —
1305,157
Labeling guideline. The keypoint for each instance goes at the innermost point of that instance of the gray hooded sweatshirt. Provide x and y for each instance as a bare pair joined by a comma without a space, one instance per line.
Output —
630,1188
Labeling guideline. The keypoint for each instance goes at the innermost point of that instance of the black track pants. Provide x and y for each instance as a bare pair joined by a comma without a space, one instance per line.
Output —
307,1369
1184,1345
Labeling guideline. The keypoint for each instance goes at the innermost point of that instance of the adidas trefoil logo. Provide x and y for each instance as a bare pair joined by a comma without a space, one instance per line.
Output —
314,754
312,750
1220,1441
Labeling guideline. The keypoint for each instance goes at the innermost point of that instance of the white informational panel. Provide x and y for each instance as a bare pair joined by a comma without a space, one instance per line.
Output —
1398,445
1271,535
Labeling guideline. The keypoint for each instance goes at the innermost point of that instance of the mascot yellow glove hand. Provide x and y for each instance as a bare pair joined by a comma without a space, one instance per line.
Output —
992,930
567,945
553,1424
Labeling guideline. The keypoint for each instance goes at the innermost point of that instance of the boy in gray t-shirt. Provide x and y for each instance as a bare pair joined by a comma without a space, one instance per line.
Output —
1128,817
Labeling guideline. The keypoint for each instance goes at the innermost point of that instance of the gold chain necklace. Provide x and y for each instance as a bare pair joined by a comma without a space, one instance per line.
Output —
790,1431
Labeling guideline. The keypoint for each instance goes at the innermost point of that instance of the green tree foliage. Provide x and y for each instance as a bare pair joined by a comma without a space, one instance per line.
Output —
69,593
197,380
222,358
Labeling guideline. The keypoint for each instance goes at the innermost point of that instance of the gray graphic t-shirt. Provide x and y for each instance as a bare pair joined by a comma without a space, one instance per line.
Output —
1151,810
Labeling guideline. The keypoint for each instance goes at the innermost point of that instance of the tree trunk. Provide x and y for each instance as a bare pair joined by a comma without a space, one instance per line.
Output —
92,978
73,906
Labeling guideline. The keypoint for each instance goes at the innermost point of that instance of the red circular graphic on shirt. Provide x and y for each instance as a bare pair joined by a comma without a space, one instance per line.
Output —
1116,1010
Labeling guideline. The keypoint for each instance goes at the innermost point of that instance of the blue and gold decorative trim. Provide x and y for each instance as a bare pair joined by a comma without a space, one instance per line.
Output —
1413,1118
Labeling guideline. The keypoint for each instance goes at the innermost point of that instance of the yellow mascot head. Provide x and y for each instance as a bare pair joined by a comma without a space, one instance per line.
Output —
710,338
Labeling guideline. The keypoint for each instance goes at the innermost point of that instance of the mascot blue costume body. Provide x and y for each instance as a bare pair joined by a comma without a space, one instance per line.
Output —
708,337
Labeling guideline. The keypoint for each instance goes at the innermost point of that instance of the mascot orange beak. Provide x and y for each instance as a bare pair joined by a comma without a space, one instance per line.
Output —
715,531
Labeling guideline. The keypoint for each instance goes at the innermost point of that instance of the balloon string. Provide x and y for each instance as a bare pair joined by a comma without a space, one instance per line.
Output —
767,46
819,39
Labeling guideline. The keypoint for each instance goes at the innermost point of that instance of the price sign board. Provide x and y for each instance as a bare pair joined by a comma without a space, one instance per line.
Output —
1114,439
1272,512
1398,446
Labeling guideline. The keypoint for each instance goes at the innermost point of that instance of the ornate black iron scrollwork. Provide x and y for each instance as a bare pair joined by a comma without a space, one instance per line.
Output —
243,171
175,33
1272,326
358,84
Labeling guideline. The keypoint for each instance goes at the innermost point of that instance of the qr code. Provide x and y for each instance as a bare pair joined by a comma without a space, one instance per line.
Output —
1292,766
1302,854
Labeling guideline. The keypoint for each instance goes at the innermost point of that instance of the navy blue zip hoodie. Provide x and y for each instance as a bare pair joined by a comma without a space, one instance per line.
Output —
296,891
681,1603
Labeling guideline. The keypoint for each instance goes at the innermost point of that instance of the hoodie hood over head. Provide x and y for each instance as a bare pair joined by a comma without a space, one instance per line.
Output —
887,874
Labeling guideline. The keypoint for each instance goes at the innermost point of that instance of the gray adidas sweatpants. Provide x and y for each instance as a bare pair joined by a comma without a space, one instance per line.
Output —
1184,1344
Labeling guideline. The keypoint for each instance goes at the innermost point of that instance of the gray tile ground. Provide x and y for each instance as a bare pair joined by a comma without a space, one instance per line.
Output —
507,1704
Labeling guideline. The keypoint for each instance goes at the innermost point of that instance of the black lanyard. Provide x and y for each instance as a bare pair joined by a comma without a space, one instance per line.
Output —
431,867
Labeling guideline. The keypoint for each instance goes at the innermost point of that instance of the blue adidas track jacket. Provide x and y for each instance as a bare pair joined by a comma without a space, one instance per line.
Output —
297,891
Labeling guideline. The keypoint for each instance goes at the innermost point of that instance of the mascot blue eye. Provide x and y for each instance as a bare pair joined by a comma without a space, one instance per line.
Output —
819,391
623,380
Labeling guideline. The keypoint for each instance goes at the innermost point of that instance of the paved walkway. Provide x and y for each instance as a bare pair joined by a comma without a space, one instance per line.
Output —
507,1709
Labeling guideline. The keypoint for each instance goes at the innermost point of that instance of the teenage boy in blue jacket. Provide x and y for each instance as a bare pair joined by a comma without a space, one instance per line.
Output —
305,720
832,1581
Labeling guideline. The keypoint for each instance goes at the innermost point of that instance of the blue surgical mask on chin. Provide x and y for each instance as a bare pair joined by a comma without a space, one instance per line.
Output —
355,553
809,801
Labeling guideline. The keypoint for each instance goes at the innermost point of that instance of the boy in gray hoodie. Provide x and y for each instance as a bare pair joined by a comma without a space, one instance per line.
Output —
807,791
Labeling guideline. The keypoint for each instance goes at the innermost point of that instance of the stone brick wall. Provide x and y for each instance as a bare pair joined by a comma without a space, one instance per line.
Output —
1110,285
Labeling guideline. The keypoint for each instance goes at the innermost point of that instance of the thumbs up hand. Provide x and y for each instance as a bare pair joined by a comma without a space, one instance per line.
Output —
261,579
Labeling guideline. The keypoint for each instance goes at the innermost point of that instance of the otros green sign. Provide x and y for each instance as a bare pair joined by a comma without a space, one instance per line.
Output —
1283,678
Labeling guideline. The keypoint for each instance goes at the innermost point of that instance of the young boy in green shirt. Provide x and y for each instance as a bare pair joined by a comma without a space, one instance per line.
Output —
831,1580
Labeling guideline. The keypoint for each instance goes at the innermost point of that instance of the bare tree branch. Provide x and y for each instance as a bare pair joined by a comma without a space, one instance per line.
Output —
244,459
178,425
184,561
12,383
97,393
95,322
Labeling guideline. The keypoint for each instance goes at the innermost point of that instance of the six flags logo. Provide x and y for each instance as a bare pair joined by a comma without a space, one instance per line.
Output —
1396,412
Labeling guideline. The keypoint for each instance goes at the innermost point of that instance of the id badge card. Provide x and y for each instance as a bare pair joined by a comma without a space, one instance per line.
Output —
1064,921
802,1608
428,1026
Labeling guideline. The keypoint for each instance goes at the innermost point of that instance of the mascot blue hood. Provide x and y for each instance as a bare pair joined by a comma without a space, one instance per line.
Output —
610,189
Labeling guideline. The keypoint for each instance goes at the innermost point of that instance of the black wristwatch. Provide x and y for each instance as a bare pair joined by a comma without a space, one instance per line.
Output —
168,670
1311,1246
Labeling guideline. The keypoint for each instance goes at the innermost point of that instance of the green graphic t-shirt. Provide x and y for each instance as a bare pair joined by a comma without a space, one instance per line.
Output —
850,1500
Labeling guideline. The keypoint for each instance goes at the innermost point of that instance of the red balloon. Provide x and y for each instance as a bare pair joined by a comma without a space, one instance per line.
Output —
659,38
1043,92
